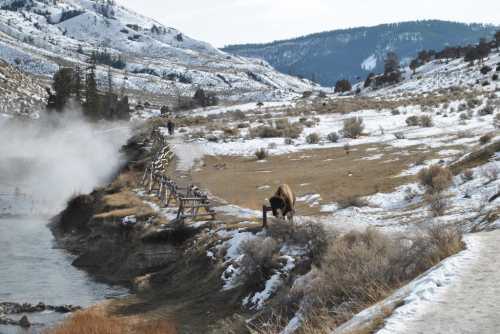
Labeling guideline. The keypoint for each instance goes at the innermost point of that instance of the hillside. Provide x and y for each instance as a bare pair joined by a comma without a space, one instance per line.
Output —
39,36
365,189
353,53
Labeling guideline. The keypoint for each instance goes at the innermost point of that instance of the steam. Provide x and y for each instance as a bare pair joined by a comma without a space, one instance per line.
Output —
61,154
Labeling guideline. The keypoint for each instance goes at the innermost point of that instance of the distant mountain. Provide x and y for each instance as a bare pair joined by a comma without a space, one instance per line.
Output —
352,53
38,36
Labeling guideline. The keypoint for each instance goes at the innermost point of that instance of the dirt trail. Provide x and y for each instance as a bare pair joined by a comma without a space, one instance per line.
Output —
470,304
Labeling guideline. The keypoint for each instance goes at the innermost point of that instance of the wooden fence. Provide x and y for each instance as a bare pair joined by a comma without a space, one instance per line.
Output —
190,201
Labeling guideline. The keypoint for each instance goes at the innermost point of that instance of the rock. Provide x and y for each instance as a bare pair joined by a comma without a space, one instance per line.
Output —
24,322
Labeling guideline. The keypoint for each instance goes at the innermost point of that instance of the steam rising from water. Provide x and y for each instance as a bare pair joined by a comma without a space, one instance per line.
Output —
61,154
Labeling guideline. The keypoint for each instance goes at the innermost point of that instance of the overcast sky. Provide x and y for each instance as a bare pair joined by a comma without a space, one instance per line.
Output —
223,22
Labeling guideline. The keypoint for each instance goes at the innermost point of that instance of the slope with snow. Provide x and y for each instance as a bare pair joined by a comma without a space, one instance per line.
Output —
41,35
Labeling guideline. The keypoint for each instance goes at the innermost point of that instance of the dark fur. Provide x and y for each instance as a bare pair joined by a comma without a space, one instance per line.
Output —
283,201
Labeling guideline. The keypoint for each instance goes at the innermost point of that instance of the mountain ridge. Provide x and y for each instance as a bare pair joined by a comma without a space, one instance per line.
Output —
354,52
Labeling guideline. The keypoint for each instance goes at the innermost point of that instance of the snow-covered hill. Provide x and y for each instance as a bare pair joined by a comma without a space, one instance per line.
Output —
39,35
439,74
352,53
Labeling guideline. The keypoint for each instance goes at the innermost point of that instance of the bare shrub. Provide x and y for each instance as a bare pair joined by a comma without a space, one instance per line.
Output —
425,121
491,173
435,178
485,139
212,138
399,135
473,103
231,132
361,268
313,138
282,129
437,203
496,120
311,235
316,237
467,175
347,148
465,116
487,110
410,194
243,125
412,121
261,154
353,127
237,115
333,137
288,141
420,161
265,131
258,260
352,201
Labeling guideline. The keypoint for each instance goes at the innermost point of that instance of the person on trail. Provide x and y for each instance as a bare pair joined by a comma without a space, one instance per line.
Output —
170,127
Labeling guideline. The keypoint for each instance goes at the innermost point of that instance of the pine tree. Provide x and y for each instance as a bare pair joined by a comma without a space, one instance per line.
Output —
91,93
483,49
63,82
77,83
343,86
391,63
414,65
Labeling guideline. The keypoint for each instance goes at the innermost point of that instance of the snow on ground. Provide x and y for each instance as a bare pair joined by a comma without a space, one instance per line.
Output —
381,127
439,74
458,296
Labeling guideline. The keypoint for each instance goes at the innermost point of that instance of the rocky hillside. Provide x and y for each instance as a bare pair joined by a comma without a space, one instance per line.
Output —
39,36
329,56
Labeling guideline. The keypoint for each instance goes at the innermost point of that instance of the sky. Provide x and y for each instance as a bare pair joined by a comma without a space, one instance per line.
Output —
224,22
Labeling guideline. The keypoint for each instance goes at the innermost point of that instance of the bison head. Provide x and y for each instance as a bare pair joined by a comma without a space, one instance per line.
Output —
277,203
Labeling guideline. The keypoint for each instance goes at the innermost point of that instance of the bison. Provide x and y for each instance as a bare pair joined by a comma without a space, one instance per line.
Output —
283,202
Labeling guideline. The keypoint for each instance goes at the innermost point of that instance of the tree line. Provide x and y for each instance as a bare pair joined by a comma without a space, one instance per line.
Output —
470,53
73,83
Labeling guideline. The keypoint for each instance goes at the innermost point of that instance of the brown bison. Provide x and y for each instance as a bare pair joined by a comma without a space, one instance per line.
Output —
283,202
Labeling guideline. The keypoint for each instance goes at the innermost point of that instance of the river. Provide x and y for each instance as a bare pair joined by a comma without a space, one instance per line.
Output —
42,164
33,270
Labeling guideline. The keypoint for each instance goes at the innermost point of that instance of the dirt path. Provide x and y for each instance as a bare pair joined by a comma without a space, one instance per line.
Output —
469,305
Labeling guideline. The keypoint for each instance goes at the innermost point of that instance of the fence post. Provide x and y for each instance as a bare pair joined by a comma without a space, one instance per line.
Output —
264,216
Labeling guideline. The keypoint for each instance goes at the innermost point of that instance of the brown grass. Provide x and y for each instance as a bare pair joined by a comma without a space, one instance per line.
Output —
123,204
120,200
95,321
362,268
321,171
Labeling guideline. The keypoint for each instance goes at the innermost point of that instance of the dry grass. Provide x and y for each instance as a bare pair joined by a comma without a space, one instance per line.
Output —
121,200
95,321
122,204
362,268
320,171
124,181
